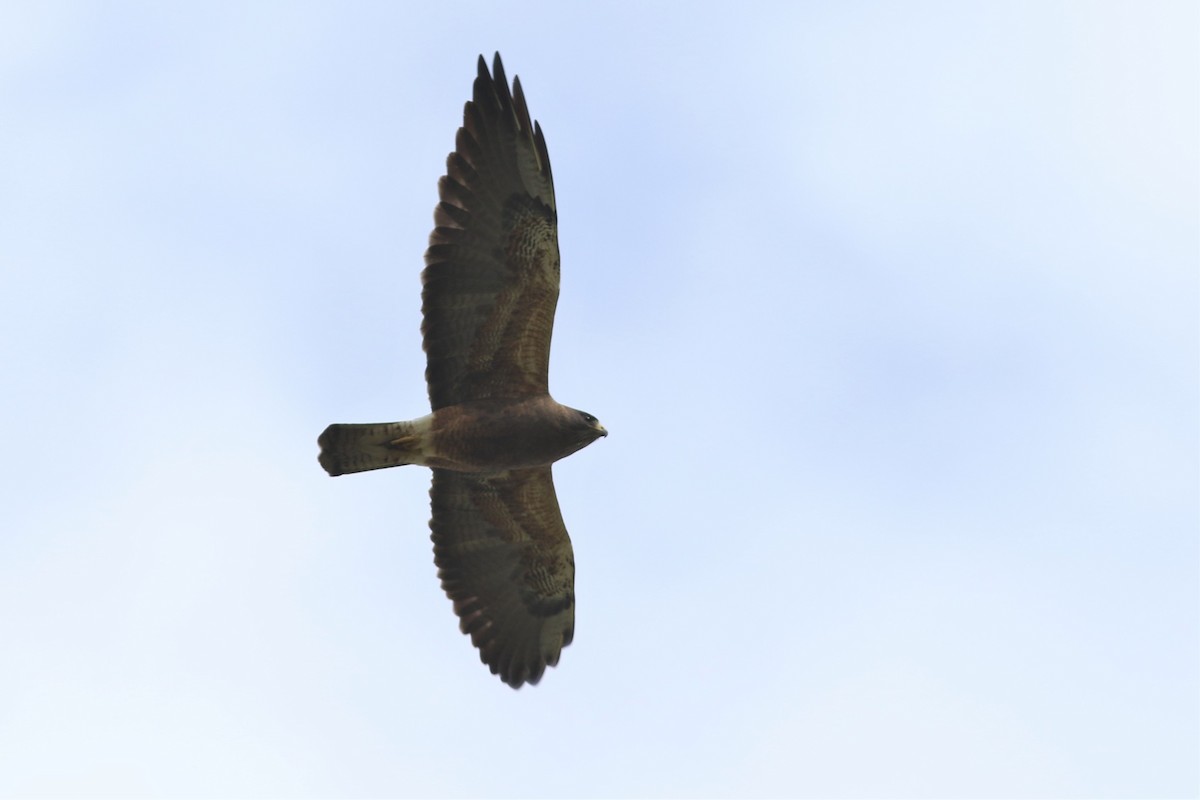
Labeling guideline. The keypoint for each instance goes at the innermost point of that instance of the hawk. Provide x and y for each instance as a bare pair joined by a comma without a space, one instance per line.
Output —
490,286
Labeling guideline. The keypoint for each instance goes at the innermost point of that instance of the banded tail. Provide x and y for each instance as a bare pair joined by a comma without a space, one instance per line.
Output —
358,448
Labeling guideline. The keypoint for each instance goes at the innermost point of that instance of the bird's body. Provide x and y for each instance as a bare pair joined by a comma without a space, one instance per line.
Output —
475,436
490,289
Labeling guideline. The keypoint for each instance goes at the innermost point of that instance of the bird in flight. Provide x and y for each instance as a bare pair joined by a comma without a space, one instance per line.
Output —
490,286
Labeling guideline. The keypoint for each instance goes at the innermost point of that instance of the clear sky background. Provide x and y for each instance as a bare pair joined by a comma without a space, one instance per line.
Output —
891,311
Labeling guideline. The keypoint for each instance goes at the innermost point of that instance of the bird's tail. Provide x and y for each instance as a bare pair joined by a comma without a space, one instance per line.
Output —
358,448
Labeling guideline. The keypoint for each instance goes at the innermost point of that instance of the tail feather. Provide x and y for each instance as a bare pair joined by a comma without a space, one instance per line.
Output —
358,448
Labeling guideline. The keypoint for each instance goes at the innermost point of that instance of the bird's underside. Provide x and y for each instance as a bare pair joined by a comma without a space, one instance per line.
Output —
490,287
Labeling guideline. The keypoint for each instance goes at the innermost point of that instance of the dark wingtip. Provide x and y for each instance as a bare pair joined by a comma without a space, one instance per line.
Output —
497,67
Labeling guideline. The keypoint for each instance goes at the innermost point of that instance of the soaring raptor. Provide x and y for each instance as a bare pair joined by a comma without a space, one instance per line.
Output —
490,286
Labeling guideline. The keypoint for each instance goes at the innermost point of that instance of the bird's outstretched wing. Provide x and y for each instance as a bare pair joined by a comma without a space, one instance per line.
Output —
505,559
492,267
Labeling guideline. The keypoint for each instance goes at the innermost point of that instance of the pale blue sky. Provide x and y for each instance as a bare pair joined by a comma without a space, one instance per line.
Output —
891,311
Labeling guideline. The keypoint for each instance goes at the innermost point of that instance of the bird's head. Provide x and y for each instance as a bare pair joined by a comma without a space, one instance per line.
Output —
587,427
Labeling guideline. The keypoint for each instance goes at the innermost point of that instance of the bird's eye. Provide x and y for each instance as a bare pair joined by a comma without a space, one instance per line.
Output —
588,418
